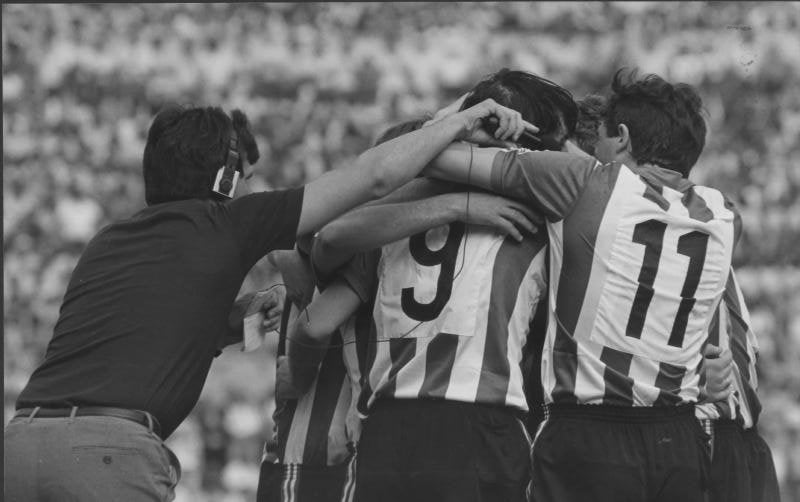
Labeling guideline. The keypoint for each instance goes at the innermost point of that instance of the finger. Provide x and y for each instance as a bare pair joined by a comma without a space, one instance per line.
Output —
514,127
726,357
526,210
530,127
505,121
510,229
520,128
711,351
272,325
520,220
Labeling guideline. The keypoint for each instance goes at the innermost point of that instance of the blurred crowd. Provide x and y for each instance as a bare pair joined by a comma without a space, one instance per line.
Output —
319,82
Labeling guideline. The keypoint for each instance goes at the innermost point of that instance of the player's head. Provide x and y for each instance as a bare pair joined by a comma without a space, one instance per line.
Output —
651,121
541,102
187,146
591,113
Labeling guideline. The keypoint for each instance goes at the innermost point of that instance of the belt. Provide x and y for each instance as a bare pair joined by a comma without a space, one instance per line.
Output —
140,417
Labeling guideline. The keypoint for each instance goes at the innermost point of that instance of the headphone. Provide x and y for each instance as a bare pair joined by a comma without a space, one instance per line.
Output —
227,175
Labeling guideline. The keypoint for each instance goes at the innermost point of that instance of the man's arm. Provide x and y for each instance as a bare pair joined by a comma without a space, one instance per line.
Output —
371,227
308,336
385,167
550,181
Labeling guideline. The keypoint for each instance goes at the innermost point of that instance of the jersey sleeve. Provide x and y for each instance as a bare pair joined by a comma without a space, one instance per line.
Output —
361,274
265,221
551,181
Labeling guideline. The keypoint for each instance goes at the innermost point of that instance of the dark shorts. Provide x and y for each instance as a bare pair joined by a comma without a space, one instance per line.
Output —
594,452
742,469
302,483
443,451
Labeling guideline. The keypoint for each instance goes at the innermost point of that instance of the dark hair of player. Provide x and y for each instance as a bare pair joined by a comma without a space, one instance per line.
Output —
186,146
591,113
664,121
541,102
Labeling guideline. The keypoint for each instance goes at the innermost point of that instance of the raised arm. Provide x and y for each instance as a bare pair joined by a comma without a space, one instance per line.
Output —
388,165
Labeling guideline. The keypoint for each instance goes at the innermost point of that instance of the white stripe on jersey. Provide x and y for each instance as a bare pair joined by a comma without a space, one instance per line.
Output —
296,441
556,250
351,364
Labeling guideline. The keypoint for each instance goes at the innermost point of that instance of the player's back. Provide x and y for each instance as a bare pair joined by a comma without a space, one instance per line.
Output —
637,268
452,312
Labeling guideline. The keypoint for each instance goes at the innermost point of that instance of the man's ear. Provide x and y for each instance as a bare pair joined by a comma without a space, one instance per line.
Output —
623,139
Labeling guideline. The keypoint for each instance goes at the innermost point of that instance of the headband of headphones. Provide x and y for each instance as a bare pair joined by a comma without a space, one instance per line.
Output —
227,175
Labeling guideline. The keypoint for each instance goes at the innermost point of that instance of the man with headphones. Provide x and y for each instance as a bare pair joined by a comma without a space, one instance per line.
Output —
148,304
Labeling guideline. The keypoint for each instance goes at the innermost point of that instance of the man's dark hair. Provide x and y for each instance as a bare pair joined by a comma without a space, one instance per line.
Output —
541,102
185,148
592,111
664,120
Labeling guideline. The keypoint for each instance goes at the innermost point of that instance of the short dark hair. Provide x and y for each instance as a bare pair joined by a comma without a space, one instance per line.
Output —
592,111
664,120
185,148
541,102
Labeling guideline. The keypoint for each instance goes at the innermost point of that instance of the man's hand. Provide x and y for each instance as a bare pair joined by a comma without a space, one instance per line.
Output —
510,128
270,303
505,215
448,110
718,367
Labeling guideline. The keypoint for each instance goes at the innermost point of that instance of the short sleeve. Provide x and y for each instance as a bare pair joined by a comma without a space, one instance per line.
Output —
265,221
551,181
361,274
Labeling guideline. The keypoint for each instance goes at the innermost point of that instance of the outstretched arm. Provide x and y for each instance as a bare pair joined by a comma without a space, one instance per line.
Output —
385,167
551,182
371,227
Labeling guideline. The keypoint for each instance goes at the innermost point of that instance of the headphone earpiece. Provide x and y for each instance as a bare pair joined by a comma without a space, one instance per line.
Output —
227,175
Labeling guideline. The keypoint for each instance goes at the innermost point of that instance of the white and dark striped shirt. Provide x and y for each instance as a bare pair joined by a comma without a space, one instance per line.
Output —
639,258
731,329
451,317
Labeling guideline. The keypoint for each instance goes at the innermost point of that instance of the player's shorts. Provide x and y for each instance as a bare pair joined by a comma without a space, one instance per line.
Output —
303,483
742,469
442,451
596,452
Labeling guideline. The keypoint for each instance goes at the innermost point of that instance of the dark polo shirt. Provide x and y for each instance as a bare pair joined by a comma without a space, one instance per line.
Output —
147,305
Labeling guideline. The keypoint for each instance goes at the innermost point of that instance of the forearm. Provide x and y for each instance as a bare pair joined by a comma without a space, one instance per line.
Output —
374,174
371,227
305,354
463,163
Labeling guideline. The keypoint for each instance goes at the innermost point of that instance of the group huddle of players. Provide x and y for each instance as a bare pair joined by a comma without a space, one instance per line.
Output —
553,320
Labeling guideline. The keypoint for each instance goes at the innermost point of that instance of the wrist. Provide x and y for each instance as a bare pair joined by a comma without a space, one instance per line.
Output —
456,204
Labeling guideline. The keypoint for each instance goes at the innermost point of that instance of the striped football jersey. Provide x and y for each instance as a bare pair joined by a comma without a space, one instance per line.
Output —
452,312
639,258
312,429
322,427
731,329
